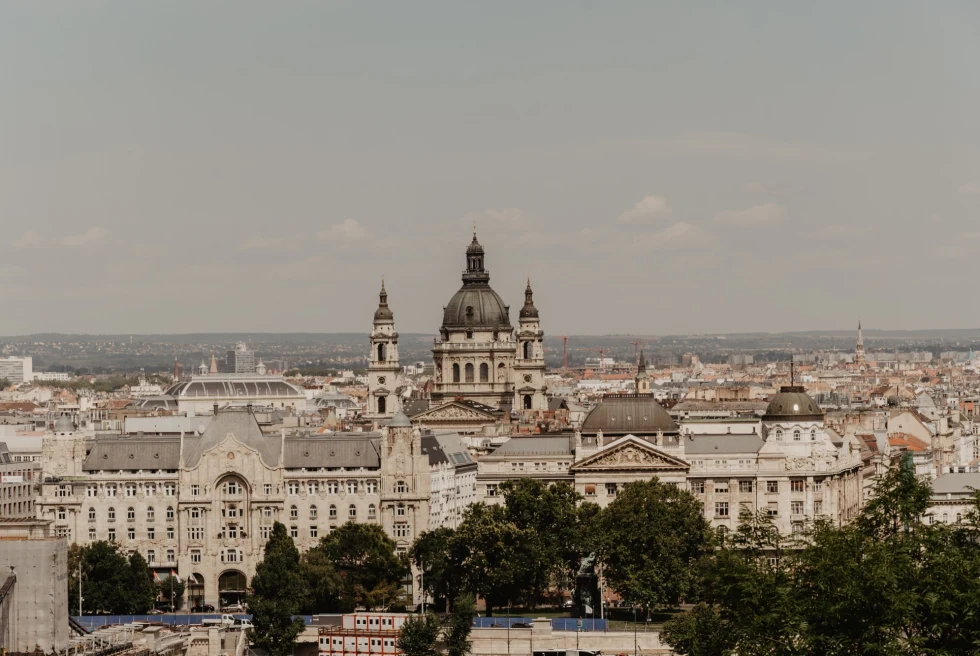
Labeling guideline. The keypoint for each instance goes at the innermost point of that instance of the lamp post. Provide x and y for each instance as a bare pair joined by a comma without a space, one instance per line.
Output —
634,631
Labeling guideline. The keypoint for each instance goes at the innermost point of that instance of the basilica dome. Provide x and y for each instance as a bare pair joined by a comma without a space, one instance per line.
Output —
475,305
792,403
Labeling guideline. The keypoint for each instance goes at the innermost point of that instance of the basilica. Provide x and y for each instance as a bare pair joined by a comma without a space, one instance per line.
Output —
483,366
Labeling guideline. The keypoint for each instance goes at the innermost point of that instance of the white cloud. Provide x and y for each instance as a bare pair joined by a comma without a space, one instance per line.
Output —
271,243
757,215
91,237
970,188
29,239
347,232
679,236
647,209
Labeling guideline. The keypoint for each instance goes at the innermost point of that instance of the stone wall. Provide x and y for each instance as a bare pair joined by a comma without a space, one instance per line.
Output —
34,616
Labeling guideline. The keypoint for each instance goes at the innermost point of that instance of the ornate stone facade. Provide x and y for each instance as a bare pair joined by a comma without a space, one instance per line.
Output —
204,505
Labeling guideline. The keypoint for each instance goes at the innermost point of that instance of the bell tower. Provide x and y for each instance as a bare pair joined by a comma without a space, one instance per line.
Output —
642,377
529,366
383,365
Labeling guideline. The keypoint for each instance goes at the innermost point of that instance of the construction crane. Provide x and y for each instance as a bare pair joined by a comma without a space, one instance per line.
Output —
602,357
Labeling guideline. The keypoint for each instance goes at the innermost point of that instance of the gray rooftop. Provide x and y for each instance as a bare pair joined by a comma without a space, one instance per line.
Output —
705,445
240,425
350,452
958,483
133,453
539,446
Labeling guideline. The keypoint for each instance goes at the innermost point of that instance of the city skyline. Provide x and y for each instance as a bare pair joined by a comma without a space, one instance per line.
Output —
656,170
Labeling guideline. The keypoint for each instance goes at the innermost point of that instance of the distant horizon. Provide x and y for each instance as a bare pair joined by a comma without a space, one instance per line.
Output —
243,336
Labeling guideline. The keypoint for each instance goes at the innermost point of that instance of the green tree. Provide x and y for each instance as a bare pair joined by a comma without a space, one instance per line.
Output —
418,635
76,559
106,579
171,589
325,583
369,569
699,632
652,536
4,383
489,552
431,554
141,590
278,593
457,634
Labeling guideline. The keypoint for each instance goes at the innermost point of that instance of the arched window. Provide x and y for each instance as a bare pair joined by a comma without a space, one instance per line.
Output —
112,514
797,435
813,433
959,518
501,371
527,401
469,372
312,512
381,352
91,514
293,512
131,514
372,512
455,373
527,350
382,405
779,434
352,511
945,518
484,373
150,514
332,511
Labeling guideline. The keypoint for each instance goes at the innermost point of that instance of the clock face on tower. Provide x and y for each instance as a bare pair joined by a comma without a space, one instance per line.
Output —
381,380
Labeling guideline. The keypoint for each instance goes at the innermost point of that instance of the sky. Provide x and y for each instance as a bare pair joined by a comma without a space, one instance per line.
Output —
654,167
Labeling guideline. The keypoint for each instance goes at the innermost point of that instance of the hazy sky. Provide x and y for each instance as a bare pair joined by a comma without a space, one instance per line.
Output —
655,167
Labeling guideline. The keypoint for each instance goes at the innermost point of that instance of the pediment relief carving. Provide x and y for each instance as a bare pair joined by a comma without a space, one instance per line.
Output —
629,456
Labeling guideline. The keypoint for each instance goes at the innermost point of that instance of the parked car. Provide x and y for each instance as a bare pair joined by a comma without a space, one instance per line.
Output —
520,625
233,608
203,608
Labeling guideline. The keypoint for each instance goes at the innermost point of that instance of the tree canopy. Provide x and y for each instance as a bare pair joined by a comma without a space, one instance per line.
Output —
278,594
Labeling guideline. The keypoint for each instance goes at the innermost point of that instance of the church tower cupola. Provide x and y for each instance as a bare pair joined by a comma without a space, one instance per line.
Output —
529,311
642,377
383,365
859,356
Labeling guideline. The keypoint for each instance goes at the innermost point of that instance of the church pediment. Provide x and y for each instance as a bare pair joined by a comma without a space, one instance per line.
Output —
380,391
630,453
453,412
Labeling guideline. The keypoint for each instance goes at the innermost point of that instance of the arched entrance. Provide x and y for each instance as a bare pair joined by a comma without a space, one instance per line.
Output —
232,585
527,401
195,591
382,405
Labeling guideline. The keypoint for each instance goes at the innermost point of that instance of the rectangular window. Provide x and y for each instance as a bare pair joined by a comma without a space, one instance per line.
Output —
131,534
267,489
311,487
151,557
590,490
371,487
150,489
772,508
818,507
168,489
112,535
293,487
401,530
265,532
313,532
333,487
195,490
721,487
745,487
130,490
796,485
110,490
721,509
151,533
697,487
611,489
170,533
796,507
293,531
772,487
351,487
491,490
195,555
91,491
91,535
818,485
64,491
